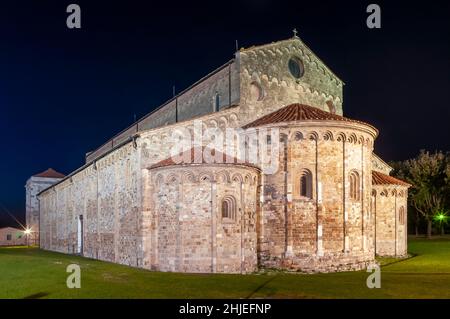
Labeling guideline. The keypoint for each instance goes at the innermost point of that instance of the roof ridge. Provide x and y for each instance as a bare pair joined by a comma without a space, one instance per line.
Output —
191,152
379,178
299,112
50,173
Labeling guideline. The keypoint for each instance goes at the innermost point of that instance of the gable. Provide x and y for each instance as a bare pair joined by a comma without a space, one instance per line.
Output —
273,66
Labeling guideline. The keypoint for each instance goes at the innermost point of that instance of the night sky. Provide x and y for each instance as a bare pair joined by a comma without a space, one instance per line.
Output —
63,92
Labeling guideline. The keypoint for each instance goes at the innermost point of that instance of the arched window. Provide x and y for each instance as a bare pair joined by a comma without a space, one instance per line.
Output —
401,216
354,186
306,183
229,208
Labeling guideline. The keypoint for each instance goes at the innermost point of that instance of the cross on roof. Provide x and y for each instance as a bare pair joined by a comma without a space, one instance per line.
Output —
295,32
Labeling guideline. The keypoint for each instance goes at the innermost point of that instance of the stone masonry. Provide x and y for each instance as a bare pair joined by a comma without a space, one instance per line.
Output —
132,205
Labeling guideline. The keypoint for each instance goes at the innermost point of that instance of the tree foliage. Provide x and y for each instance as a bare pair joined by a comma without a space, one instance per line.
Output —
429,175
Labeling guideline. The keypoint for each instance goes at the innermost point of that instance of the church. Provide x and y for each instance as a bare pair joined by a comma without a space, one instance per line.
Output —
199,202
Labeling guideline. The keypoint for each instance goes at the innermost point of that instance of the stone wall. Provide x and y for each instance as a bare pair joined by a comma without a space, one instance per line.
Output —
324,232
33,187
379,165
389,206
107,194
184,228
267,85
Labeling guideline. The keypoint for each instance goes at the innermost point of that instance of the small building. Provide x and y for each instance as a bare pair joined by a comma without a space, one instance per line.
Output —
34,185
10,236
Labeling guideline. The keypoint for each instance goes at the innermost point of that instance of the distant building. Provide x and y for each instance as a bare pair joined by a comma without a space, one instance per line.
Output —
34,185
10,236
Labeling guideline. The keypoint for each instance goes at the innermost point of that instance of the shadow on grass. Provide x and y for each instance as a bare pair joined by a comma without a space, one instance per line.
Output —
260,287
37,295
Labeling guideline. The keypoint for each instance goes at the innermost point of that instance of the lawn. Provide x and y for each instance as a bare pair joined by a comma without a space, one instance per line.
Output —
33,273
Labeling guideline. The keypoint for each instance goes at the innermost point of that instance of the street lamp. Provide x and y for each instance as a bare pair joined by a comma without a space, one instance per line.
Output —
441,218
27,233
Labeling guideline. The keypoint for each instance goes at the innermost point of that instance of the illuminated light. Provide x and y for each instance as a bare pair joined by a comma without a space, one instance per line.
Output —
27,231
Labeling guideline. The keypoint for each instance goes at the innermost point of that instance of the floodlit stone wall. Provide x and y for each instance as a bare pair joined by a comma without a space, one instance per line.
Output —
329,230
33,187
266,83
107,196
389,206
185,230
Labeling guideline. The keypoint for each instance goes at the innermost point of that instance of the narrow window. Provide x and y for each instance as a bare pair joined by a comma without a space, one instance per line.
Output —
354,186
216,102
229,208
306,184
8,237
225,209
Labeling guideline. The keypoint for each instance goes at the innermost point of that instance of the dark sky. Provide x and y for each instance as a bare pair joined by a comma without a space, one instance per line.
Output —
63,92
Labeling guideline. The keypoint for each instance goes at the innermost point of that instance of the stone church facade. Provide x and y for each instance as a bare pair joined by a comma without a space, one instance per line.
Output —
330,205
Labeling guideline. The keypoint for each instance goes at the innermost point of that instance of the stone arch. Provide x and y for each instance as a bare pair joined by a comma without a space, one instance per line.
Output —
154,139
298,136
341,137
223,121
213,123
352,138
172,178
328,136
206,177
355,185
223,176
237,178
188,177
306,183
361,140
313,136
248,179
228,207
233,119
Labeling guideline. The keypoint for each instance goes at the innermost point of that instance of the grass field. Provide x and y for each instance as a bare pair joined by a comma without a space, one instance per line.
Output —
33,273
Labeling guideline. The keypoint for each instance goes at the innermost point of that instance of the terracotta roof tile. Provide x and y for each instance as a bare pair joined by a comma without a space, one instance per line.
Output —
50,173
383,179
299,112
195,156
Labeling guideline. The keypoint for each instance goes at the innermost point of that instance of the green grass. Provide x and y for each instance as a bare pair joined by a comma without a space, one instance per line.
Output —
33,273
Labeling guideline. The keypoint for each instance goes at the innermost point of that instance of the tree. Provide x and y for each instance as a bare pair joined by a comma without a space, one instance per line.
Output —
429,175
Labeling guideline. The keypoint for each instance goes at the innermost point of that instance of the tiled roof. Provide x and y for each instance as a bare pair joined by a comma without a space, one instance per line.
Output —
195,156
50,173
299,112
383,179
